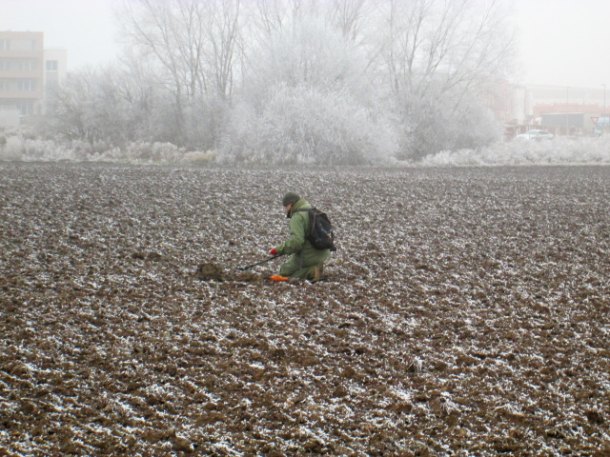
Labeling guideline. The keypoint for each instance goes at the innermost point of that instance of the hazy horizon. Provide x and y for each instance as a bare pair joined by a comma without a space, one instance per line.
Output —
559,42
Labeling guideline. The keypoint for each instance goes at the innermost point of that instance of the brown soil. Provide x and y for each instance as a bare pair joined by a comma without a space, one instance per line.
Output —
209,272
466,312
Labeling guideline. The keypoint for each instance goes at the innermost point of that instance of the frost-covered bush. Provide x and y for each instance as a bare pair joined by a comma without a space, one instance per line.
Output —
152,153
203,122
307,100
12,149
18,148
142,152
155,152
438,122
111,108
560,151
46,150
303,125
24,148
21,148
199,157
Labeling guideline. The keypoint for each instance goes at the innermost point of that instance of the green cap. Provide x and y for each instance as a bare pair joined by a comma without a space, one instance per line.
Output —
289,198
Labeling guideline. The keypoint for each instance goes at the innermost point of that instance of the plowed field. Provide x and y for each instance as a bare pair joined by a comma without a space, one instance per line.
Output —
465,313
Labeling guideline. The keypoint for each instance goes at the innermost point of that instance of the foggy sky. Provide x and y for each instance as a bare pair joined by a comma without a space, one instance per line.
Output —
560,42
564,42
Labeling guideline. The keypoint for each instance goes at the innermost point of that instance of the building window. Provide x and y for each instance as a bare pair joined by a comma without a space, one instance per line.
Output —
23,45
26,107
25,65
26,85
5,45
52,65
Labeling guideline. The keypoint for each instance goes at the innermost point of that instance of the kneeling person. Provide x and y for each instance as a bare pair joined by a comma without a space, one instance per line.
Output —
305,262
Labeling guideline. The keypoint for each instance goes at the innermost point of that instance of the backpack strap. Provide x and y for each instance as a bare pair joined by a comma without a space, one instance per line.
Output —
308,230
301,210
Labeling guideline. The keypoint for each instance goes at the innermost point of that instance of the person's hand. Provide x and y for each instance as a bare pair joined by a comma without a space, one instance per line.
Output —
273,252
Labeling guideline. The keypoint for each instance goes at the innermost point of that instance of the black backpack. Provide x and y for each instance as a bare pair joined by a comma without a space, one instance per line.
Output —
320,235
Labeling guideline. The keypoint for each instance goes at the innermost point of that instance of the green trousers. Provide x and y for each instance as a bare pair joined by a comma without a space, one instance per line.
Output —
302,266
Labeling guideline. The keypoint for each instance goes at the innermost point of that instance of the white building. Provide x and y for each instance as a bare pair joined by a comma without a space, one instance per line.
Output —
55,71
21,76
28,74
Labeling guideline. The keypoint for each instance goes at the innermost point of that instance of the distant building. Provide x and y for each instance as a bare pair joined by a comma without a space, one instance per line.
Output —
560,110
55,71
566,110
29,75
21,76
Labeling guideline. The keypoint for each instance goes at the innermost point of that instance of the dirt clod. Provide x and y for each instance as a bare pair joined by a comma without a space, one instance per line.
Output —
209,272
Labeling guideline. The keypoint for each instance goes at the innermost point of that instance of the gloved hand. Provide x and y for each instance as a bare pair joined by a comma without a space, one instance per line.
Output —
273,252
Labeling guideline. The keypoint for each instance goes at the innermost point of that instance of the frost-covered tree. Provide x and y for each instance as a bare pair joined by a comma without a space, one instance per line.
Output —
113,105
310,97
433,56
194,42
90,106
346,16
192,47
441,123
296,81
432,46
308,52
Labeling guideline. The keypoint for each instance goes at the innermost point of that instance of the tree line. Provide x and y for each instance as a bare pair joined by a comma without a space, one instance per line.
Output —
295,81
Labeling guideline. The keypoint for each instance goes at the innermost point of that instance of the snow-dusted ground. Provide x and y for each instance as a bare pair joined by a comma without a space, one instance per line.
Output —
466,312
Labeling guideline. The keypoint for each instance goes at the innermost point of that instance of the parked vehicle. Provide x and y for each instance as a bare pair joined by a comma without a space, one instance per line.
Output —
602,126
535,134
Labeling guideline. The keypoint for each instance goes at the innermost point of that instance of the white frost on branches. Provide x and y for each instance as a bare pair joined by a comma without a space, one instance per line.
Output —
302,125
560,151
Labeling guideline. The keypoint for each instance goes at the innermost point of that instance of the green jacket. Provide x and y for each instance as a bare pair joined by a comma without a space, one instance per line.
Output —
296,243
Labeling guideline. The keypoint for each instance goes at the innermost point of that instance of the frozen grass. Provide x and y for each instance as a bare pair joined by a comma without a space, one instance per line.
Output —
18,148
565,151
560,151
